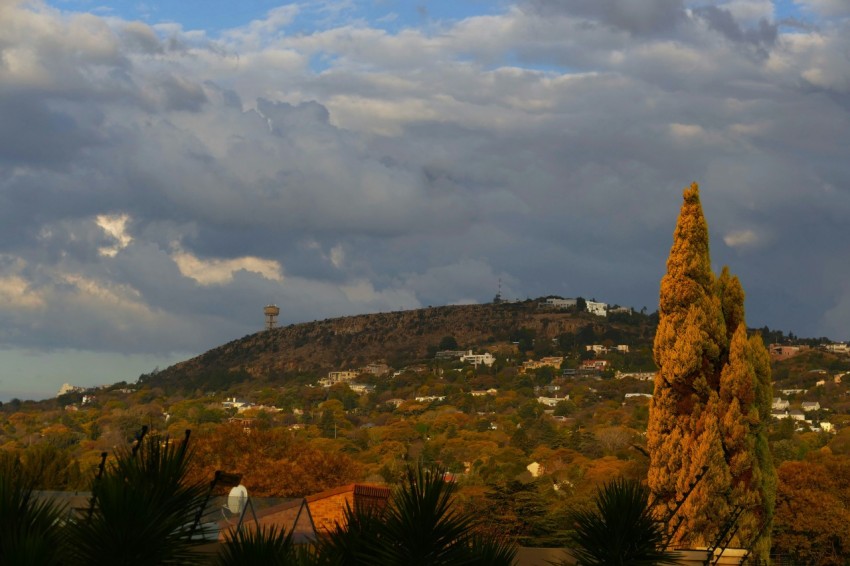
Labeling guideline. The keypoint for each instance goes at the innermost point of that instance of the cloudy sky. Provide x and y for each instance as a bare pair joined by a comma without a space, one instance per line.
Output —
168,168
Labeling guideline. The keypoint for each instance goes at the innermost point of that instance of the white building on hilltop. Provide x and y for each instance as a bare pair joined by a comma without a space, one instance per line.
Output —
599,309
557,303
68,388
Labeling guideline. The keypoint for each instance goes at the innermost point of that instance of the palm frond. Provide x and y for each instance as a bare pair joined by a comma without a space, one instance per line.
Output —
144,510
260,545
620,530
30,529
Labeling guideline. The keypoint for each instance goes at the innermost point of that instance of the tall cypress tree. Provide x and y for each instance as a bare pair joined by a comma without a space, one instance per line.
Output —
712,395
684,431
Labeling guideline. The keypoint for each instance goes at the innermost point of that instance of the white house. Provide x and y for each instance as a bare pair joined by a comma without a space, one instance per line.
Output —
639,375
234,403
810,406
556,303
477,359
430,398
552,401
599,309
361,388
780,404
335,377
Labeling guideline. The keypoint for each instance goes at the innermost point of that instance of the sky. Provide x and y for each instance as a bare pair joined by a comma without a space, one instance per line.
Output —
169,168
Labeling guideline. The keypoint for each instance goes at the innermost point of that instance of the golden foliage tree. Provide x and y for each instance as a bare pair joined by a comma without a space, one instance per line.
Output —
708,409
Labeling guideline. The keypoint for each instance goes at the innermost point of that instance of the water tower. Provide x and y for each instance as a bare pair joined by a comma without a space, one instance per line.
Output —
271,312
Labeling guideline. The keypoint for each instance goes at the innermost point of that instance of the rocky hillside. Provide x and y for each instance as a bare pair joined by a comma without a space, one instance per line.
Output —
400,338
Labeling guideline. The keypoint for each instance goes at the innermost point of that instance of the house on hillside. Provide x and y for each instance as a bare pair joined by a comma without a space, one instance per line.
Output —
638,375
557,303
449,354
361,388
335,377
782,352
234,403
483,392
477,359
595,365
430,398
810,406
552,401
794,415
597,308
550,361
779,404
376,369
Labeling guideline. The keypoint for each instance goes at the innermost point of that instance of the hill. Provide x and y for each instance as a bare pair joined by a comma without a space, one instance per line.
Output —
400,338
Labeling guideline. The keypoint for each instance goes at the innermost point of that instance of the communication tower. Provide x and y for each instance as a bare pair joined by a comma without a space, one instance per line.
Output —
271,312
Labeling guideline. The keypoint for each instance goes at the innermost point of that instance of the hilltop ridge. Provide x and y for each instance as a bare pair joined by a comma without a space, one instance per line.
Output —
400,337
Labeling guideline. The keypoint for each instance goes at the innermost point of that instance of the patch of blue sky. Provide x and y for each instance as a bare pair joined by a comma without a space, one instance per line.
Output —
790,11
321,62
210,15
395,15
786,9
214,16
513,58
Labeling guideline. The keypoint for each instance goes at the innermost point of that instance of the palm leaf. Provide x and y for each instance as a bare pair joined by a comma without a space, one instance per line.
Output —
144,510
620,530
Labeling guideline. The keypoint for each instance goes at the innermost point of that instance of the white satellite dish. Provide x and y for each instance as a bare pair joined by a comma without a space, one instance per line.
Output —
237,499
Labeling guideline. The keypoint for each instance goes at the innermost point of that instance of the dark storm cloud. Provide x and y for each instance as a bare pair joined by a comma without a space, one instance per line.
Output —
762,35
37,134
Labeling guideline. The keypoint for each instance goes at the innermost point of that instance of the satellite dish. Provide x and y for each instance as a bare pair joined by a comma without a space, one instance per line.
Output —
237,499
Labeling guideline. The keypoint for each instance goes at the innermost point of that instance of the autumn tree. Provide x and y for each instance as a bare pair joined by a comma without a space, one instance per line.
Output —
712,395
813,510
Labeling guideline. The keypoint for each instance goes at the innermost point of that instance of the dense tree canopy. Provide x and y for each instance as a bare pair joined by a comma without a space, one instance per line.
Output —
711,403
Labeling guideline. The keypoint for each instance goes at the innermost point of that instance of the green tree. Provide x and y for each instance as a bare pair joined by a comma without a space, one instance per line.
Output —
328,424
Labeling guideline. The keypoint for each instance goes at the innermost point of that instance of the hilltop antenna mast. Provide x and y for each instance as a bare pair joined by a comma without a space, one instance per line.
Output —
498,298
271,312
